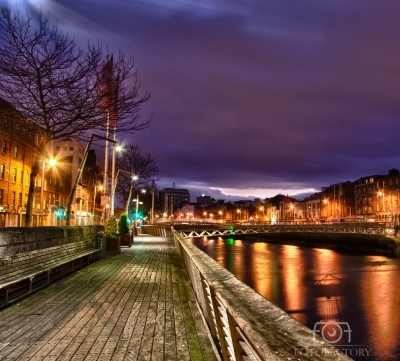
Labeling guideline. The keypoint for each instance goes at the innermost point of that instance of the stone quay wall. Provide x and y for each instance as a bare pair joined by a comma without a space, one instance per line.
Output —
17,240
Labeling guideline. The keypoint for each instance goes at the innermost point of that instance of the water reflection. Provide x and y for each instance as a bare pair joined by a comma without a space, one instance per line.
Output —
322,288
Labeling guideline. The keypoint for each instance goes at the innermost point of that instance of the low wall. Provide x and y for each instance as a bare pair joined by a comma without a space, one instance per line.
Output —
16,240
366,243
244,323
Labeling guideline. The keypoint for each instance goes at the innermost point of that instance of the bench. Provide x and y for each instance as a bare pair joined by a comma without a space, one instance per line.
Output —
27,272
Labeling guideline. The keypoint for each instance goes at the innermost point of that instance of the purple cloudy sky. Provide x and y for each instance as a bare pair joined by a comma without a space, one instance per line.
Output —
253,98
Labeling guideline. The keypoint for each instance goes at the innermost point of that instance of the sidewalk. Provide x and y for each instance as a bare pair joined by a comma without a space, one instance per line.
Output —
137,305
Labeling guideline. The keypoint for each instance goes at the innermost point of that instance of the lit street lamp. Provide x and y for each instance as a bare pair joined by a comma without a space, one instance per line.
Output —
137,206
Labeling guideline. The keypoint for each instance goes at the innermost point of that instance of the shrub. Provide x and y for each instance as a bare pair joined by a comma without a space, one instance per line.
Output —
111,227
123,226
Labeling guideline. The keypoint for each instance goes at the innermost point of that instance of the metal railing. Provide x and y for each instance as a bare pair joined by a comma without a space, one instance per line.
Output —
244,325
242,230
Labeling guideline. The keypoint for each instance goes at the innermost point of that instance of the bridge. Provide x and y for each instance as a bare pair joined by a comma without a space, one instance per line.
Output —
231,230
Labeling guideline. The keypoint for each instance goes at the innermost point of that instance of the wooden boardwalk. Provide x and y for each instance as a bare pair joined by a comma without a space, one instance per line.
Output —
137,305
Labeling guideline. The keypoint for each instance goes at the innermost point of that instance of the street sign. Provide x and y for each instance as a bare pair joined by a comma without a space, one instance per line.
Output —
104,200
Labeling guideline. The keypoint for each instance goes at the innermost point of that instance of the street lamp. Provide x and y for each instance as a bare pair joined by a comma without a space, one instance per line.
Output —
52,162
137,206
100,188
134,177
79,174
117,148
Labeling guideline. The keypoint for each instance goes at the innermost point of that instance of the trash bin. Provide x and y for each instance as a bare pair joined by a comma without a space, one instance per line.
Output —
101,244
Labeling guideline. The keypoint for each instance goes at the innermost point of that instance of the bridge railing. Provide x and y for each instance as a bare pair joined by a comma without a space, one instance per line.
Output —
340,228
244,325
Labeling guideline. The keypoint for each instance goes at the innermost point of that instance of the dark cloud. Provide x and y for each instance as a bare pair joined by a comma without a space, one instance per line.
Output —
257,95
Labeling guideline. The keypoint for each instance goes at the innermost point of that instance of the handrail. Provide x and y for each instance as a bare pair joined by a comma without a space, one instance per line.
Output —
245,325
221,231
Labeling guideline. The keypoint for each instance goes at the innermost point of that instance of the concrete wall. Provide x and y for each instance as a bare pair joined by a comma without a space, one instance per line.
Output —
366,243
16,240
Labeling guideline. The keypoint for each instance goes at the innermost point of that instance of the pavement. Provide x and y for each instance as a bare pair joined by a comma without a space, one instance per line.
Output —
136,305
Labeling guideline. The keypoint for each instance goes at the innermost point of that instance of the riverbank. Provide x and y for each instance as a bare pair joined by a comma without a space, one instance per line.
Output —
365,243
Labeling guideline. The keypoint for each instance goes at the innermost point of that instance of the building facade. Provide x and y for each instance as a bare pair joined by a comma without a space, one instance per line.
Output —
19,139
171,199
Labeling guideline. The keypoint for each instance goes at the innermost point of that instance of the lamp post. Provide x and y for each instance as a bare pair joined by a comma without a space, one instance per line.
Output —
100,187
137,206
133,177
152,191
52,162
79,175
117,148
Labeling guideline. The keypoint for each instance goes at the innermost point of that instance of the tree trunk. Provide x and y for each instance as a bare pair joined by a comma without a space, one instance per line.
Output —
31,194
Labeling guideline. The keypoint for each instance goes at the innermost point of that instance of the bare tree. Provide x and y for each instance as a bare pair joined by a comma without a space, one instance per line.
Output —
65,90
142,165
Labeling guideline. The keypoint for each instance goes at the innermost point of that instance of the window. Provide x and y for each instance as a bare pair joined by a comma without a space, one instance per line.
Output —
377,184
16,152
20,199
15,175
2,171
71,148
4,146
36,139
5,121
21,177
13,198
1,196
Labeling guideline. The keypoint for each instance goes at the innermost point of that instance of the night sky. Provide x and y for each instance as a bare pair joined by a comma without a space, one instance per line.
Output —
255,98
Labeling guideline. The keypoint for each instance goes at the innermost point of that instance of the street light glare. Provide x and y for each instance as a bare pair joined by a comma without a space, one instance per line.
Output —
52,162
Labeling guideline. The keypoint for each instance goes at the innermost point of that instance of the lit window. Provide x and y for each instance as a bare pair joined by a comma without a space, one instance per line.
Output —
15,175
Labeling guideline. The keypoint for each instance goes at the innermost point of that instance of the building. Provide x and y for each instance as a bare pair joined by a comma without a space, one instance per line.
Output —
19,139
171,199
69,155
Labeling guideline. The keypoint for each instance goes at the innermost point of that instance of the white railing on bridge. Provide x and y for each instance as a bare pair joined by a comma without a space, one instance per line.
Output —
189,232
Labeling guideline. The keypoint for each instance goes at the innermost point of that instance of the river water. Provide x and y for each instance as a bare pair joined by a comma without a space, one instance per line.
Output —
351,300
